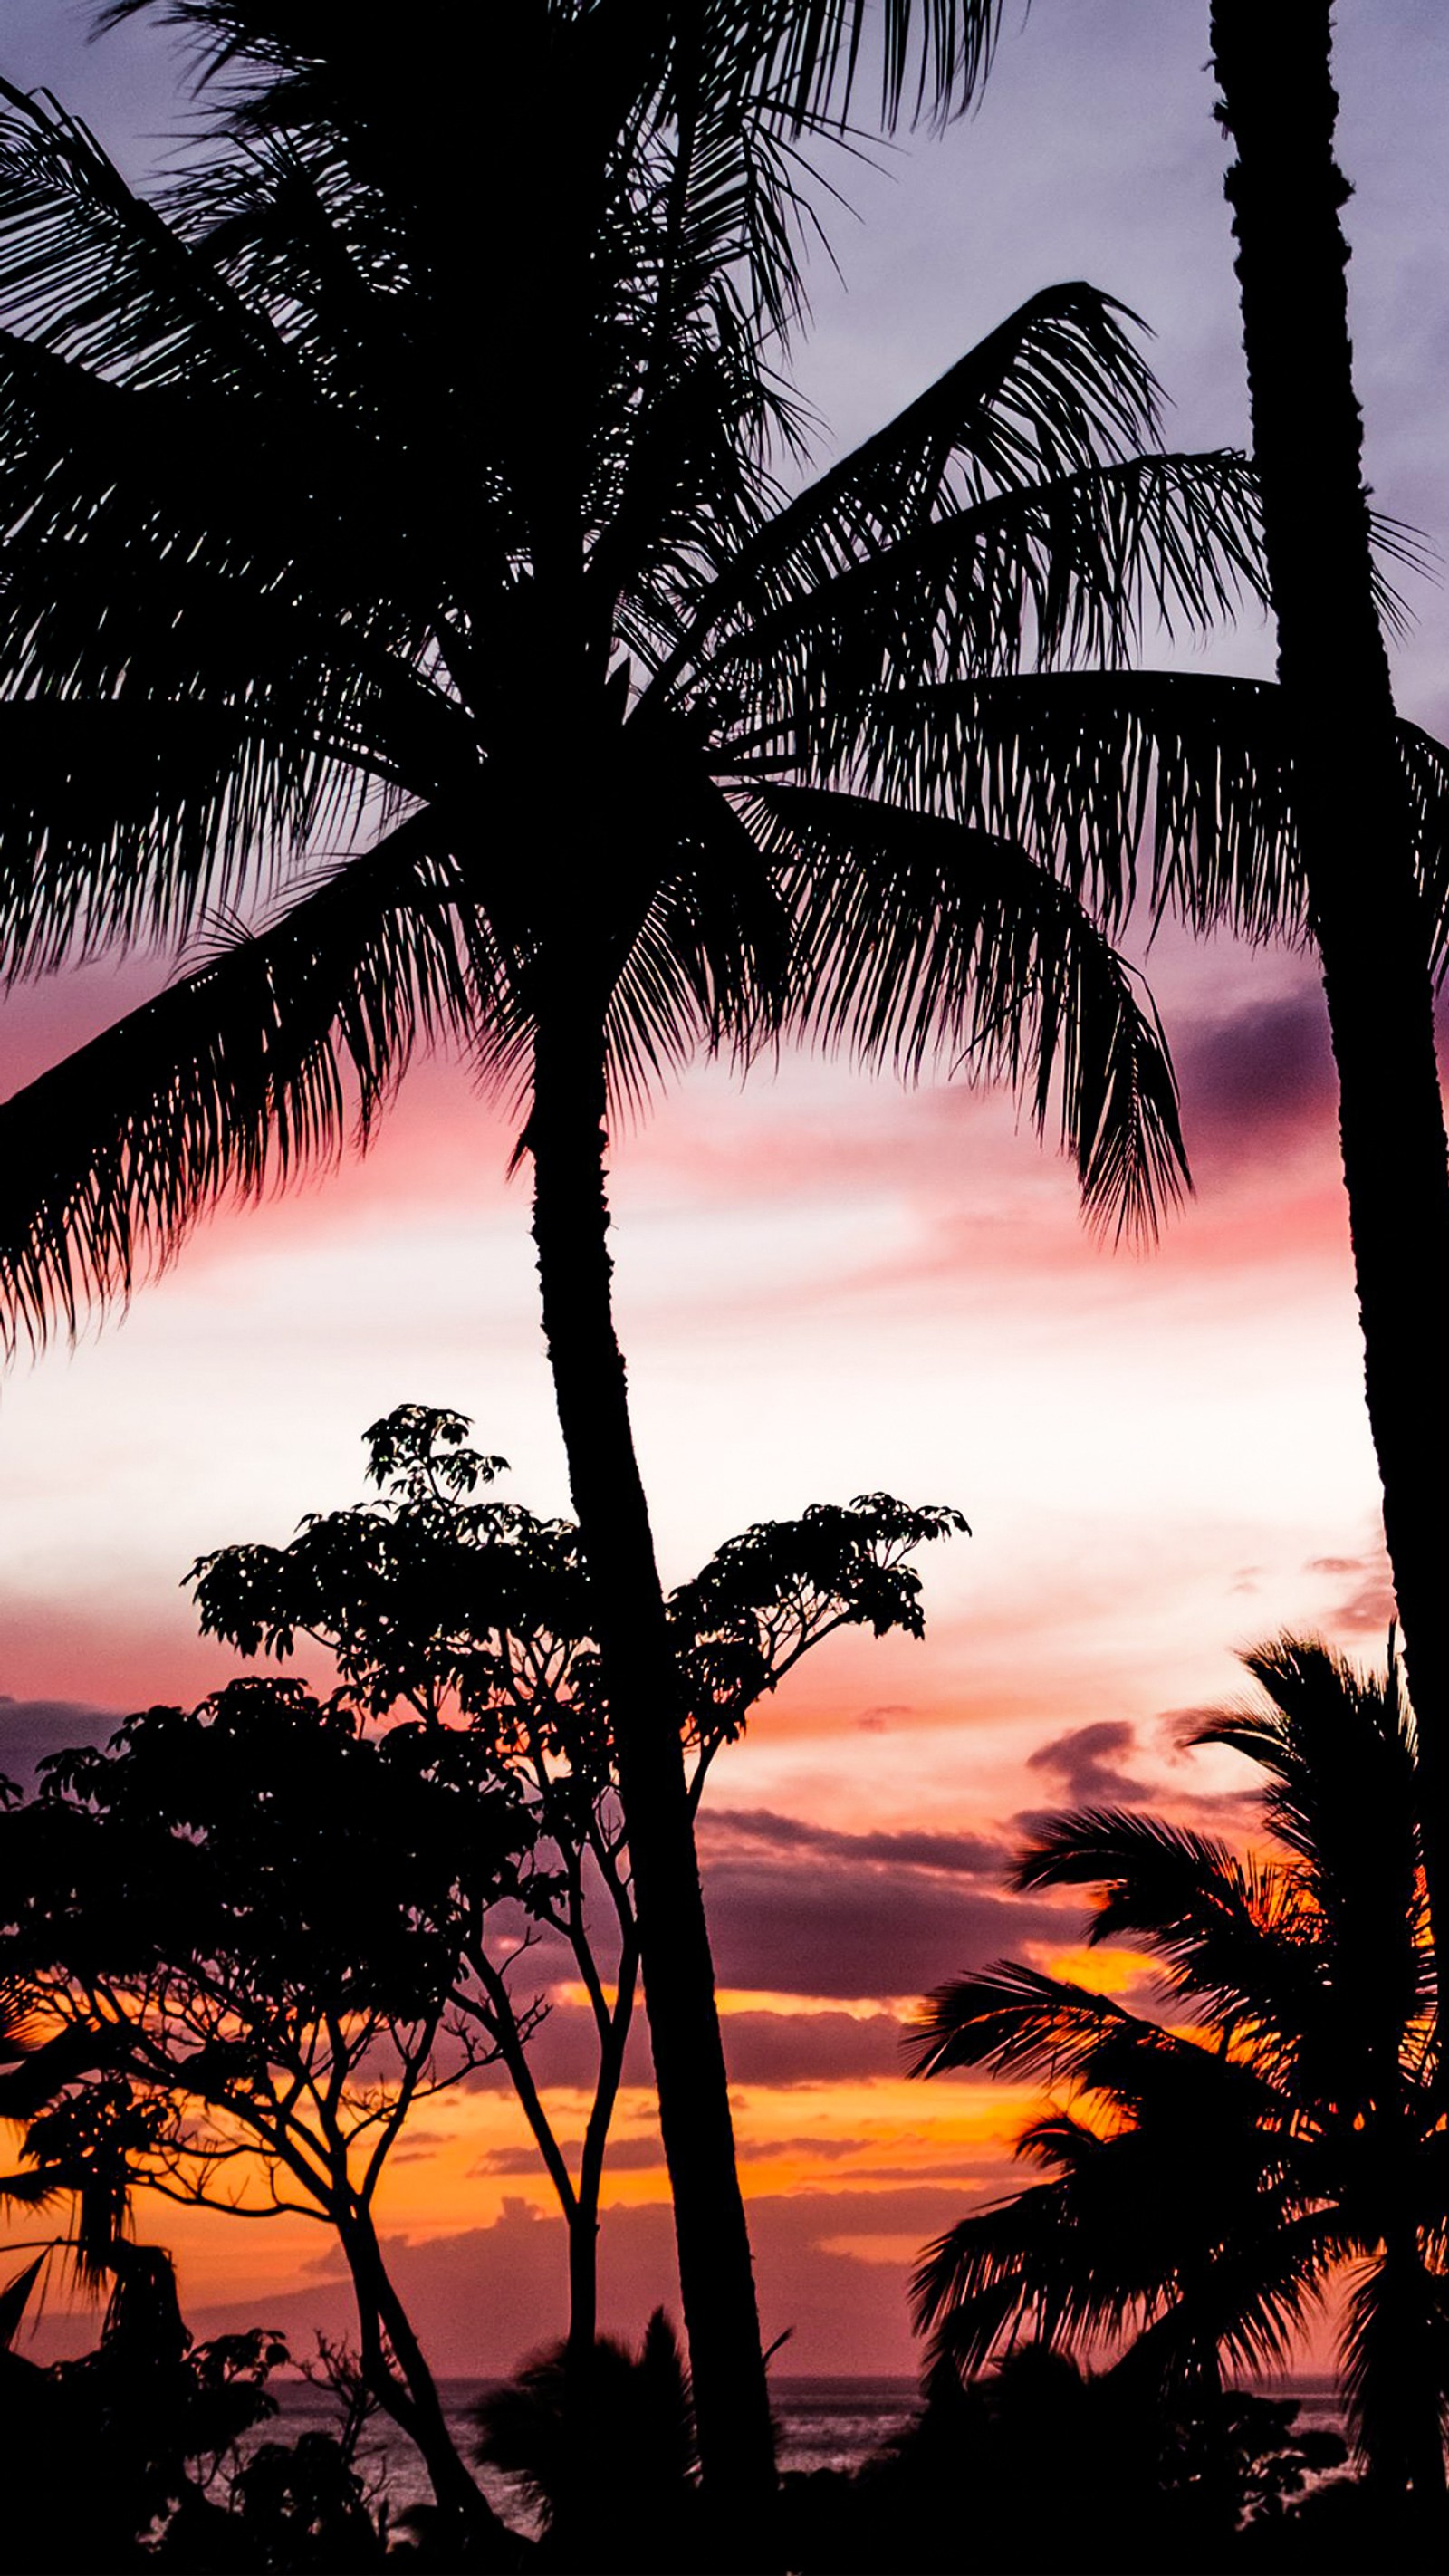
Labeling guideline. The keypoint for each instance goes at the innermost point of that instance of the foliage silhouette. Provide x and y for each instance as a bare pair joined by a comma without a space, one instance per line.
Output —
614,2479
241,1945
244,1926
121,2449
155,2417
438,1598
303,2507
1291,2128
1359,780
1064,2469
585,693
1279,110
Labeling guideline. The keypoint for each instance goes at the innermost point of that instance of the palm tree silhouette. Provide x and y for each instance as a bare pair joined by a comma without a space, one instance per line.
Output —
613,2480
1279,108
1367,842
1282,2122
541,637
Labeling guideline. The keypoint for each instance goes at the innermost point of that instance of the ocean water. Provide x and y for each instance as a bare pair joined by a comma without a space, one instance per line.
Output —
822,2424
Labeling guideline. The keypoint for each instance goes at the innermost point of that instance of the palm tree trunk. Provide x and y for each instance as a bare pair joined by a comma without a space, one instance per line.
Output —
1273,67
566,1137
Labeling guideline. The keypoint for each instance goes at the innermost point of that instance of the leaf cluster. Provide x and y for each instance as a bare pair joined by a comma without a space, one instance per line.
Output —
243,1928
294,562
476,1611
1208,2172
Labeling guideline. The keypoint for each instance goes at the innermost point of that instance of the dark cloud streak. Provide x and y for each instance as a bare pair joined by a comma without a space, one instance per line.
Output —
32,1728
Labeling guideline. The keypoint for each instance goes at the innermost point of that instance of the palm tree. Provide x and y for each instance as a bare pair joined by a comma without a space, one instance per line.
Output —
1356,825
613,2481
1364,787
282,563
1214,2170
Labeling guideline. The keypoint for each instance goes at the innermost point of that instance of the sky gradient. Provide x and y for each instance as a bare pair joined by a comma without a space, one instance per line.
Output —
826,1286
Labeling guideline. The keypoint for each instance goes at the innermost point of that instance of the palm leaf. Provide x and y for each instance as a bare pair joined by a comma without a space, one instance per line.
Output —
1056,388
1021,2022
1087,766
919,938
1234,1937
933,55
1395,2361
1056,572
119,821
1162,2230
93,272
15,2297
229,1076
695,937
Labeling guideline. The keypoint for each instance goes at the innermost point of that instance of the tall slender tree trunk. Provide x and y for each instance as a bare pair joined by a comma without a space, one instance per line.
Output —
571,1219
1273,65
584,2220
416,2406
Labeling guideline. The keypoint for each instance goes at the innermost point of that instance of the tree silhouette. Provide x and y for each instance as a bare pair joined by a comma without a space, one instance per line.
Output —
593,704
243,1926
150,2413
1279,109
613,2479
1284,2120
243,1944
1361,861
439,1598
1201,2481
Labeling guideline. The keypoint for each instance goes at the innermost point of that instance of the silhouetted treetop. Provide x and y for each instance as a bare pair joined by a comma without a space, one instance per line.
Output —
441,1596
1212,2171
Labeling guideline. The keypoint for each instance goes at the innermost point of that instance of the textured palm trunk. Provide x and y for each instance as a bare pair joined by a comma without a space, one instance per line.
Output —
571,1220
1273,66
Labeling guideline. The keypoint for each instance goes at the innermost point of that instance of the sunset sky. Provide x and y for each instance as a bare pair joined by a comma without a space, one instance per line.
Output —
826,1285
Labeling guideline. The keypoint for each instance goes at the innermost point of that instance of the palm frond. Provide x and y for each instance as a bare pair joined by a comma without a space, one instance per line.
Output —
1247,2305
931,56
15,2296
121,821
1021,2022
696,944
1221,2180
1094,2252
1056,389
94,273
1338,1753
1426,774
1161,2230
229,1077
233,669
1234,1937
1136,1858
1054,573
1336,1750
1087,766
919,938
37,2074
